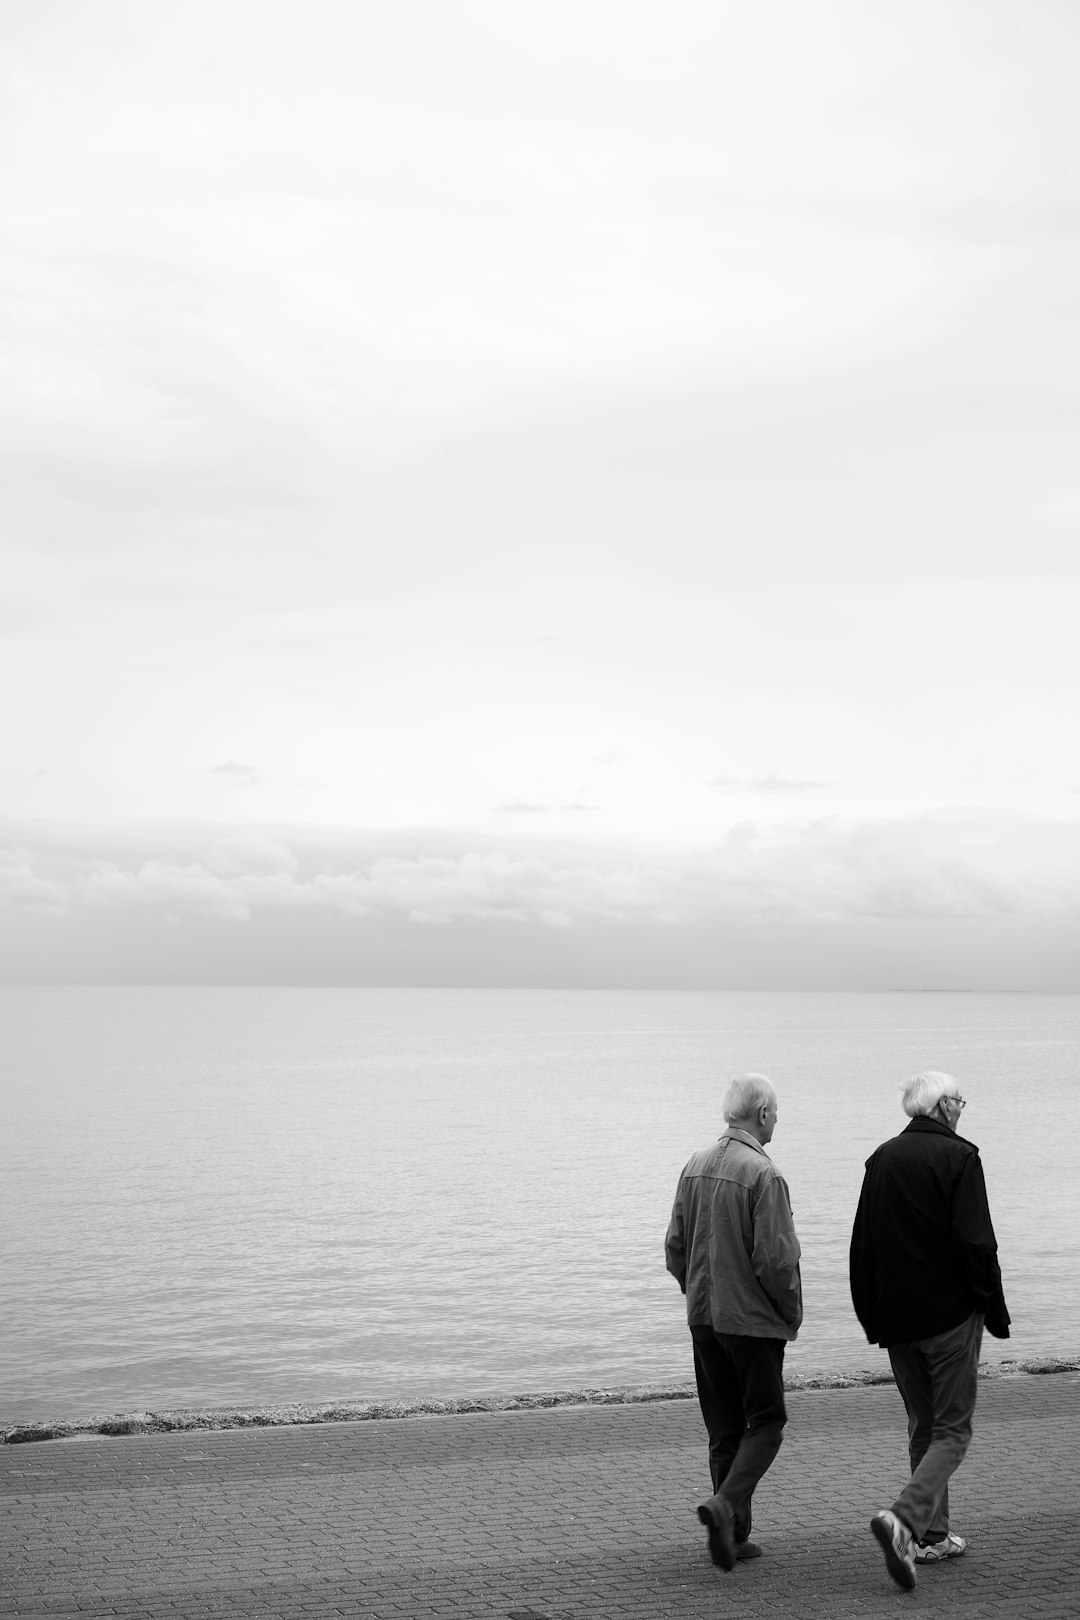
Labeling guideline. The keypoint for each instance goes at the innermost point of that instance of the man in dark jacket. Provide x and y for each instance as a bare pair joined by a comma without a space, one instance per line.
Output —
732,1248
924,1281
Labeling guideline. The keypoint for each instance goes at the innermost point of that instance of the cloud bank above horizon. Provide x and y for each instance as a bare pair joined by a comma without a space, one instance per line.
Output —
960,864
81,887
952,867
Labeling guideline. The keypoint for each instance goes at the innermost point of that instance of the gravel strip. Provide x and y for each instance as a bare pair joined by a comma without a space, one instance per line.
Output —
248,1417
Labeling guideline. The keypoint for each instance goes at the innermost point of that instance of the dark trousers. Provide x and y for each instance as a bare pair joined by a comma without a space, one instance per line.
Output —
939,1380
740,1383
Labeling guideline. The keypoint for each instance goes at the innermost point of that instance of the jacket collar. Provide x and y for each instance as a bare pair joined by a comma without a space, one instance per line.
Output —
921,1124
736,1135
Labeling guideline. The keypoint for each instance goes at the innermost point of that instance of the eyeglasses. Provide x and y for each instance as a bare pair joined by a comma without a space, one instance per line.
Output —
959,1101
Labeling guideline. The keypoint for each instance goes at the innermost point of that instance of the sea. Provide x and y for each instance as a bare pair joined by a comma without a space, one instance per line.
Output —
221,1196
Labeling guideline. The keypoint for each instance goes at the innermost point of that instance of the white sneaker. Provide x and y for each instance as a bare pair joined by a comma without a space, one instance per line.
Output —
953,1546
898,1546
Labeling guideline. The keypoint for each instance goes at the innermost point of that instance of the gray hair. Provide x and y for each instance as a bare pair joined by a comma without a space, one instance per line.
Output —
746,1095
922,1093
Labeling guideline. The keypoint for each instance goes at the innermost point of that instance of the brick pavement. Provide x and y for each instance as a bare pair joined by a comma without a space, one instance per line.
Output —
570,1513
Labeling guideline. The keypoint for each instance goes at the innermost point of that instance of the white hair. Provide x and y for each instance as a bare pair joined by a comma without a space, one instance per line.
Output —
746,1095
922,1093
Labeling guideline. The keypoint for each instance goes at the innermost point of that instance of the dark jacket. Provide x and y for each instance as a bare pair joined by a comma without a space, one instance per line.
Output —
731,1242
923,1251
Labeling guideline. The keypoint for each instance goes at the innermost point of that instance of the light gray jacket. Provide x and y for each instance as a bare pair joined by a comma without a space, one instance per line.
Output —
731,1242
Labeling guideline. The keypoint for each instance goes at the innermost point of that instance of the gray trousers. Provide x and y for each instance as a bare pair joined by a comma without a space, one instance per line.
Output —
938,1379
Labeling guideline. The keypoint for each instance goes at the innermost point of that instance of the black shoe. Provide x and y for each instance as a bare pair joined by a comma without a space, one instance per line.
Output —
715,1515
745,1550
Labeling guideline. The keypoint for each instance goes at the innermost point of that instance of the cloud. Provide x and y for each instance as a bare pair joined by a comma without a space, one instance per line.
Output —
20,885
155,884
965,865
956,864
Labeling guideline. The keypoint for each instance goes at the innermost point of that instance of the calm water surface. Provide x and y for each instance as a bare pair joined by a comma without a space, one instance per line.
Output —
243,1195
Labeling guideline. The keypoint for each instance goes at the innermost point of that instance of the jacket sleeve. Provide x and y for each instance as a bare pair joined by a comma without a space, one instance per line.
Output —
675,1242
861,1265
976,1247
775,1257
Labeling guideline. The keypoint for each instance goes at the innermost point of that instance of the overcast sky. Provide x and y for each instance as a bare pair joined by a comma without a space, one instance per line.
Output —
560,493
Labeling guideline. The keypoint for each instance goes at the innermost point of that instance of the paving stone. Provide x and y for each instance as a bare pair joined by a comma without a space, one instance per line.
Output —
570,1513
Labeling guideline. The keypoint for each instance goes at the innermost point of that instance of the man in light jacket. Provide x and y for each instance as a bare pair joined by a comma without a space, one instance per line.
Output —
732,1248
925,1280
